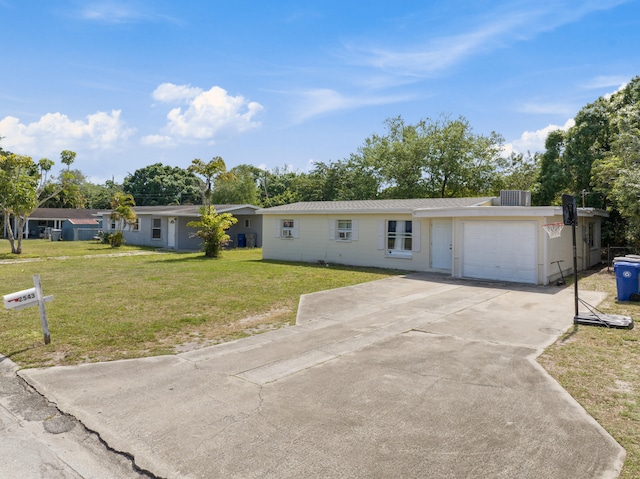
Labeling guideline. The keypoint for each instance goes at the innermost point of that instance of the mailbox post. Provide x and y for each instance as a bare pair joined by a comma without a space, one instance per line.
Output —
31,297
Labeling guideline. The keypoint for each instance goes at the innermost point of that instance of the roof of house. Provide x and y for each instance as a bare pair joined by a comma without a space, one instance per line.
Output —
76,221
376,206
62,213
182,210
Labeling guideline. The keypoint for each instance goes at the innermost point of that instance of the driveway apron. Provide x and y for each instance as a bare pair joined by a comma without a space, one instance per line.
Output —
414,376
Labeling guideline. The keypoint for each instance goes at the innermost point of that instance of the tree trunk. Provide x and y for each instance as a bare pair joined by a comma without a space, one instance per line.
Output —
12,239
16,244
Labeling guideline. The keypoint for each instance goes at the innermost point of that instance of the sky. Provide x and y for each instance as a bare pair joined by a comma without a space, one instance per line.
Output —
126,84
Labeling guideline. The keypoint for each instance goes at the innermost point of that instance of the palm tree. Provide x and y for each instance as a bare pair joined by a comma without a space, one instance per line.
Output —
123,215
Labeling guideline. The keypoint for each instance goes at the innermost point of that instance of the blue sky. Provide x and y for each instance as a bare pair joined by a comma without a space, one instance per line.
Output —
126,84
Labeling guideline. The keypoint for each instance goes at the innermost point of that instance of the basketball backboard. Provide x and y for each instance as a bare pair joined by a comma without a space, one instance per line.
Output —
569,210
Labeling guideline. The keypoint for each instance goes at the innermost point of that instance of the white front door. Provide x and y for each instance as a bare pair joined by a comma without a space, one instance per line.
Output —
441,243
171,232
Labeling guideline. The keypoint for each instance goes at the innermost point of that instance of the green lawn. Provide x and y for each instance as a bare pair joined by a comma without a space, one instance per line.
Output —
40,248
108,308
600,368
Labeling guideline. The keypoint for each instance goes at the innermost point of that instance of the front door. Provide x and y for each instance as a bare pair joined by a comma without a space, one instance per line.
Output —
441,244
171,233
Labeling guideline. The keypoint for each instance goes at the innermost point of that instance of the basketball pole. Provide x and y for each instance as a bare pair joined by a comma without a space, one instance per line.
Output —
575,266
593,317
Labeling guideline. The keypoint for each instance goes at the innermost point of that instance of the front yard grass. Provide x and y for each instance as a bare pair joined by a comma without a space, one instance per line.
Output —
600,368
40,248
108,308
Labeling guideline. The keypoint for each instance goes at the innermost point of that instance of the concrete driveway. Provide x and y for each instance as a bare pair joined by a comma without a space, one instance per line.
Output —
415,376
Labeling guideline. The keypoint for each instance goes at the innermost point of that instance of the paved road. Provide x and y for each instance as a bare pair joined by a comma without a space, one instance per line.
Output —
413,377
38,441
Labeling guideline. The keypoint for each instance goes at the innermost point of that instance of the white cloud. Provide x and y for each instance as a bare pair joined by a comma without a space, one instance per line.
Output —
606,81
157,140
548,108
317,101
533,141
170,93
506,25
207,113
54,132
119,12
440,53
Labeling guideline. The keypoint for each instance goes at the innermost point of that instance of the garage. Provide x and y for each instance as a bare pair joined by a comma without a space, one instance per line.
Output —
500,250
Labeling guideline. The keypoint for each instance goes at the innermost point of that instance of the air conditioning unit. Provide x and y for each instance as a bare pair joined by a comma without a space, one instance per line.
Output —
515,198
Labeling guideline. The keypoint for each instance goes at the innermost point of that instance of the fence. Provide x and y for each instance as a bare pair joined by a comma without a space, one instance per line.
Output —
615,251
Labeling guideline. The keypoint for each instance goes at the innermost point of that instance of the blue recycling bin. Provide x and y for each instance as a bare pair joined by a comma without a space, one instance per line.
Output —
627,279
242,240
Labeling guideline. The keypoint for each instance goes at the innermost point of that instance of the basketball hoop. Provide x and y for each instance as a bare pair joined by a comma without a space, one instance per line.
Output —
554,230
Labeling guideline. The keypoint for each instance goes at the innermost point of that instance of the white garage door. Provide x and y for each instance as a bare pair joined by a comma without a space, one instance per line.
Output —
500,250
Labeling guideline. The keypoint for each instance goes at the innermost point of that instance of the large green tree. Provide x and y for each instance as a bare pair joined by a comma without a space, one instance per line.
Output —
22,182
241,187
441,158
597,161
280,187
99,196
158,184
65,190
520,173
338,181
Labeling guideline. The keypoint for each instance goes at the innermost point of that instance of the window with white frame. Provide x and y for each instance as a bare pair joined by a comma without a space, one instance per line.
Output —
592,235
247,223
113,225
156,229
344,230
286,230
399,237
135,226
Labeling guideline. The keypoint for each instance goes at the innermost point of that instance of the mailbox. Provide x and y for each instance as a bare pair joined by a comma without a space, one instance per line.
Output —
21,299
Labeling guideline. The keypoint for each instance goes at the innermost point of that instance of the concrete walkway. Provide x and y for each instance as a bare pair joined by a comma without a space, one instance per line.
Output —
414,376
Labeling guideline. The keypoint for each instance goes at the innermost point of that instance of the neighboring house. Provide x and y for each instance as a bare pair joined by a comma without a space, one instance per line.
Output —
486,238
166,226
42,220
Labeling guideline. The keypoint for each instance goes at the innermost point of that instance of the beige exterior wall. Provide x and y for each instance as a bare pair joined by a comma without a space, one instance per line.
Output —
588,248
314,242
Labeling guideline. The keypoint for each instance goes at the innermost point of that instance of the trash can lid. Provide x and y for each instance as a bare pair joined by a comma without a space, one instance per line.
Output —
627,264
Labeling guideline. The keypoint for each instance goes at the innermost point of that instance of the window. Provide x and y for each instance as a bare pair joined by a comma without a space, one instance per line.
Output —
135,226
345,230
399,238
156,230
592,235
113,225
247,223
287,229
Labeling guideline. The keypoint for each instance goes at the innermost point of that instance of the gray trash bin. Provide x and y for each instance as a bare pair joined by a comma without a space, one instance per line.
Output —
56,235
